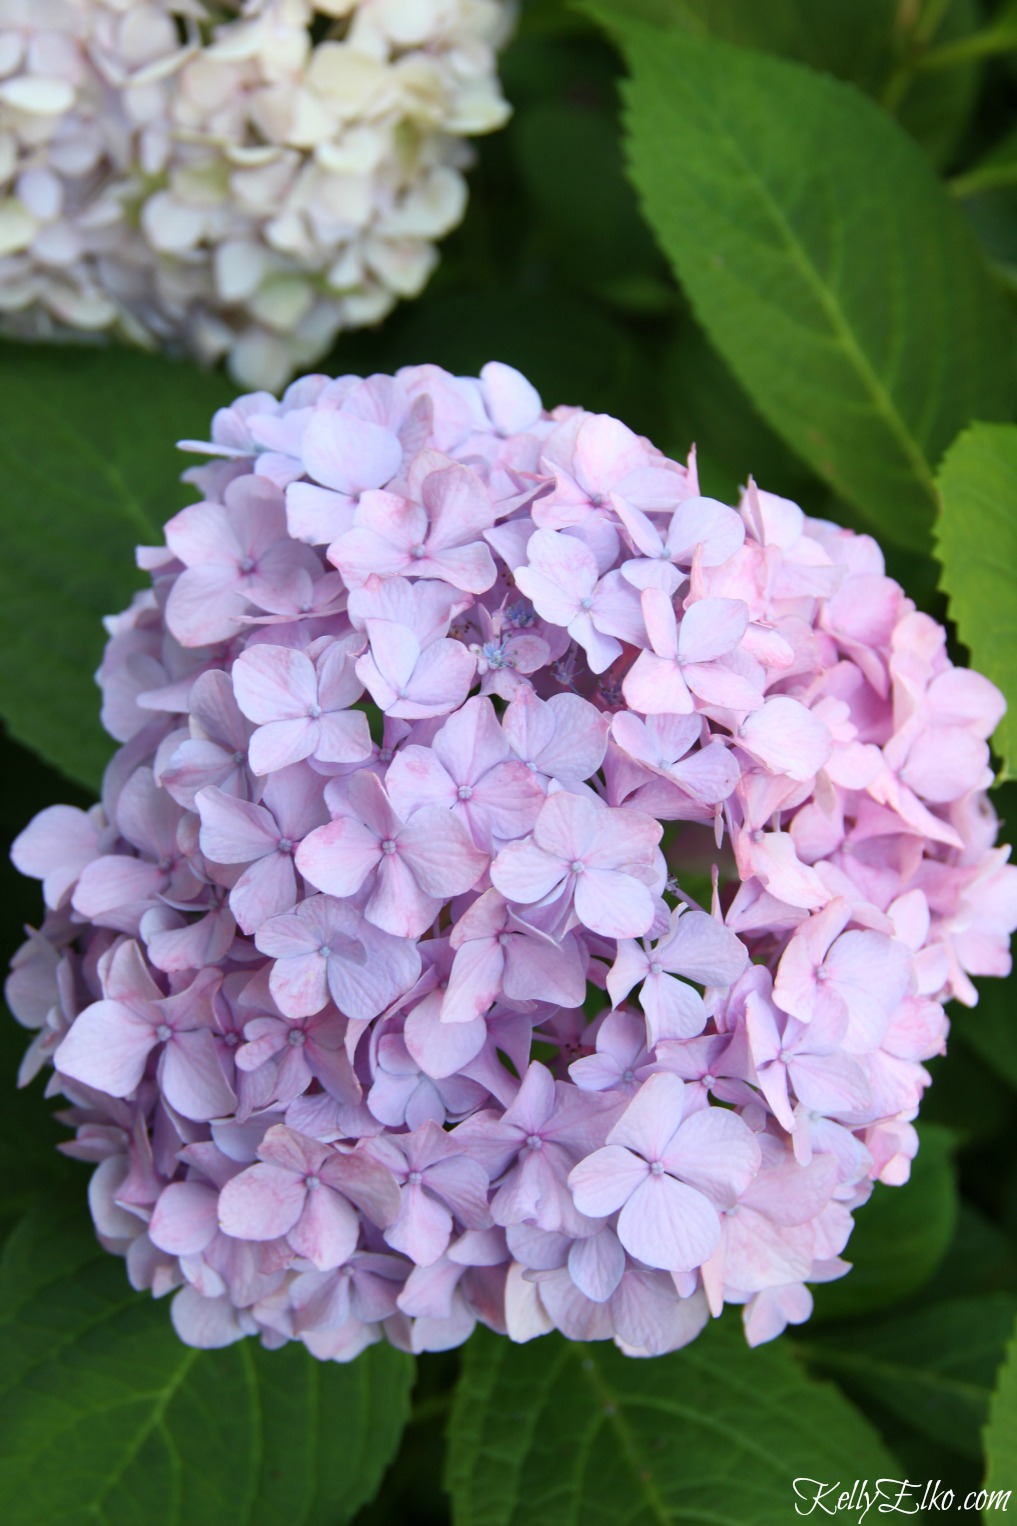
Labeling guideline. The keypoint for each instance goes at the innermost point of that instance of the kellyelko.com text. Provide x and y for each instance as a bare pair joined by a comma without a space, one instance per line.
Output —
813,1496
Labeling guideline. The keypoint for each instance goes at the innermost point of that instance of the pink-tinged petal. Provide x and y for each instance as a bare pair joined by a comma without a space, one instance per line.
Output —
673,1009
711,628
652,1117
779,869
266,889
234,831
561,573
280,743
613,904
115,881
442,1049
535,970
630,966
654,686
470,568
525,873
423,1229
386,670
274,683
343,737
185,1219
107,1048
390,967
787,738
192,1079
439,853
705,523
397,904
870,973
661,622
205,605
701,948
316,515
463,1184
596,1264
944,763
299,985
606,1179
716,1152
416,777
349,454
474,981
717,685
208,1323
366,1182
338,858
327,1230
668,1225
261,1203
55,847
830,1083
441,681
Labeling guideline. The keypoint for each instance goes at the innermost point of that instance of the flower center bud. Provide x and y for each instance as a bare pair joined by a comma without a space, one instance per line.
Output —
325,951
503,939
657,1168
312,1182
297,1038
239,757
577,866
628,1077
247,565
415,1178
822,974
534,1142
465,792
163,1032
709,1081
586,603
418,553
285,845
388,846
314,712
656,967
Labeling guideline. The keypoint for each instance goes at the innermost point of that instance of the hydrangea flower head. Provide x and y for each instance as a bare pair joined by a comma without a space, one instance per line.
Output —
242,181
388,987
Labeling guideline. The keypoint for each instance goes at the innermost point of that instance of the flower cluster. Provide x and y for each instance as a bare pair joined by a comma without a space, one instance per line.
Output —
241,184
388,985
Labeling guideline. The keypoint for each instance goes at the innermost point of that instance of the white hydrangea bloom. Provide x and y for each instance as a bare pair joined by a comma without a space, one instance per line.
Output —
241,181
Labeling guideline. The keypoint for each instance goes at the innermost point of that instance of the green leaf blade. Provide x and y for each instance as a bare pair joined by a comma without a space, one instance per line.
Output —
976,542
90,469
554,1433
865,339
105,1416
1001,1432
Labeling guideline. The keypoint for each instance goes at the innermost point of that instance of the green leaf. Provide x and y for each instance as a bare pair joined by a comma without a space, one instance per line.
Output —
554,1432
866,340
106,1417
89,470
900,1236
976,541
1001,1431
933,1368
990,1029
860,41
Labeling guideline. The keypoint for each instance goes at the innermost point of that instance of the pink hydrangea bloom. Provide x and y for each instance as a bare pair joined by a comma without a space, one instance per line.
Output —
374,984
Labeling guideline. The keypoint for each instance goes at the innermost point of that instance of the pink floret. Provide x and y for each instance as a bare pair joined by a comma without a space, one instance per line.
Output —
383,985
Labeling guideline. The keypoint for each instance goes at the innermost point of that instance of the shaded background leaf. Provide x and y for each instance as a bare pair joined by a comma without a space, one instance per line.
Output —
554,1431
90,469
976,542
106,1417
866,341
